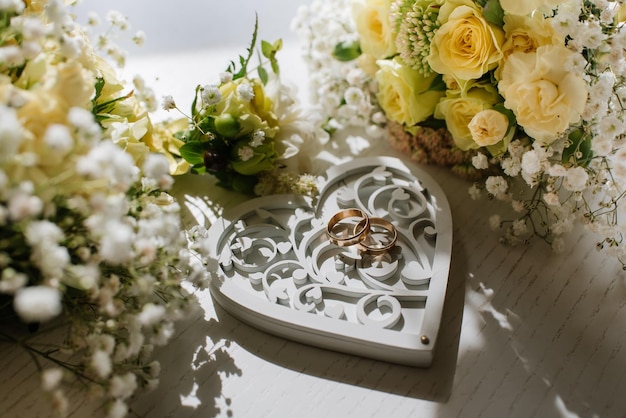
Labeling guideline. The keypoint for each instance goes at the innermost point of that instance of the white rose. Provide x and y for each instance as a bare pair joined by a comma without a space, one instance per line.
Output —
525,7
545,97
488,127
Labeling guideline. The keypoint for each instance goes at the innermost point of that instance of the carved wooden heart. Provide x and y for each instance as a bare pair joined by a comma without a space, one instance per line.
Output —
277,270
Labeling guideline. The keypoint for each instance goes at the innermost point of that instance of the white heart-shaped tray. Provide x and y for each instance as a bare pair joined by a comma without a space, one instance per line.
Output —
277,271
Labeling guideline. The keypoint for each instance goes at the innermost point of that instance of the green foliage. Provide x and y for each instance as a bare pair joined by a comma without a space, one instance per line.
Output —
347,51
268,50
193,152
493,12
578,152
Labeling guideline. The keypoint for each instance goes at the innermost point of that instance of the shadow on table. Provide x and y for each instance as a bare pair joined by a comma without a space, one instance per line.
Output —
192,368
433,383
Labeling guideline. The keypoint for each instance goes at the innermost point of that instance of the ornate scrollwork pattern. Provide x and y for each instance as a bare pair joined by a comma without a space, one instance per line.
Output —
281,252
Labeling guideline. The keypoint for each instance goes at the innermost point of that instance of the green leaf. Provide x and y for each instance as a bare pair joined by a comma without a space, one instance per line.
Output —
263,75
347,51
275,67
579,151
195,101
245,61
438,84
193,152
493,12
506,112
98,87
267,49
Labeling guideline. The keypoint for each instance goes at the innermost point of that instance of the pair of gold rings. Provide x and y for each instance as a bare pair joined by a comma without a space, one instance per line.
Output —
354,227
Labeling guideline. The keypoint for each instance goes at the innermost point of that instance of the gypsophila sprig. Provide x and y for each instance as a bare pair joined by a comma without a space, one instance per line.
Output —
527,95
246,131
92,257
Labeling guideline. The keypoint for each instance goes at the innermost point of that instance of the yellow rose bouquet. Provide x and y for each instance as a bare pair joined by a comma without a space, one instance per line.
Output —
245,130
524,97
92,257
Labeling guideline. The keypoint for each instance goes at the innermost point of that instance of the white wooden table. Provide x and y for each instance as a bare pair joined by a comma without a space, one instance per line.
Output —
524,333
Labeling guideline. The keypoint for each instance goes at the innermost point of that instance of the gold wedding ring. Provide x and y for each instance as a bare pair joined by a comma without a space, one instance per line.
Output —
373,247
364,233
348,236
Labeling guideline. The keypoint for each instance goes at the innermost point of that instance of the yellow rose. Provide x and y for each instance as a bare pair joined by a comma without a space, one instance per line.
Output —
250,115
161,139
527,33
459,110
373,25
367,63
545,97
404,93
466,45
526,7
488,127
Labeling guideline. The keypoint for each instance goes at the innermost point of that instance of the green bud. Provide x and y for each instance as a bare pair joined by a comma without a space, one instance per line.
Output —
347,51
227,125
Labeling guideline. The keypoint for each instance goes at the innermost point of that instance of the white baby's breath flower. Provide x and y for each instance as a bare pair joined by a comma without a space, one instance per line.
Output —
38,232
619,164
151,314
245,153
168,103
59,139
11,281
123,386
497,186
116,244
164,334
226,77
480,161
23,205
93,19
211,95
109,162
531,162
11,56
101,363
139,38
37,303
51,378
156,166
518,206
558,245
116,18
576,179
519,227
551,199
475,192
354,96
117,409
495,222
245,92
257,138
12,5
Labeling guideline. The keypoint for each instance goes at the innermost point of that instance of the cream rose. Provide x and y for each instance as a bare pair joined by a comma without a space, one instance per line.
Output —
488,127
373,25
466,45
404,93
525,7
459,110
545,97
527,33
